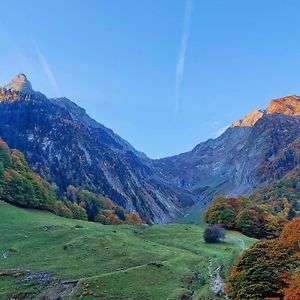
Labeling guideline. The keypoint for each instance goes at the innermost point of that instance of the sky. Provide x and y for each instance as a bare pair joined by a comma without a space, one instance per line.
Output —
164,75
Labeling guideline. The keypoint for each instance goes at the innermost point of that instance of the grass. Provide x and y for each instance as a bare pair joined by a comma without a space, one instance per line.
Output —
110,262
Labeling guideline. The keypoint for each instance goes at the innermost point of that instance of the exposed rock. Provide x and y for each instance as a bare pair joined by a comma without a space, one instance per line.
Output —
250,119
66,147
251,153
217,284
49,286
19,84
289,106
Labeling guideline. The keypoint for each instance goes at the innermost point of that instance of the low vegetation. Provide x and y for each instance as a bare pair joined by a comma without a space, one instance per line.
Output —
43,254
214,234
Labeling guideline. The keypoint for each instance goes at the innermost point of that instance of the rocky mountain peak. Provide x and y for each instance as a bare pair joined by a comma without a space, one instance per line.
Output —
289,105
20,84
250,119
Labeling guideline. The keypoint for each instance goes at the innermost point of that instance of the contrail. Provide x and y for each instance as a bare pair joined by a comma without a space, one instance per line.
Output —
182,52
47,69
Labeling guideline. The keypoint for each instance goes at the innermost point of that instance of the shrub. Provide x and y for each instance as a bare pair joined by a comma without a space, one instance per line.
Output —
214,234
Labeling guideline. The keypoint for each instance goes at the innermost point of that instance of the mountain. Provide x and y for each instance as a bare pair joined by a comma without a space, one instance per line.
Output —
252,152
68,148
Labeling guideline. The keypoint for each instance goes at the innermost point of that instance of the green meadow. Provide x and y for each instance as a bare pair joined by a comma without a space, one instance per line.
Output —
44,256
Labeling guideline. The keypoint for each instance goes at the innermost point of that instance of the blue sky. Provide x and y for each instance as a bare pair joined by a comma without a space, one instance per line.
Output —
165,75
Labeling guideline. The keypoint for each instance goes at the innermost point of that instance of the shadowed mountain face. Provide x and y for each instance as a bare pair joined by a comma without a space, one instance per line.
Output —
252,152
66,147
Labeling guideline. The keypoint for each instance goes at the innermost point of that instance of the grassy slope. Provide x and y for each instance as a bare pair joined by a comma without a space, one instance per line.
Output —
112,262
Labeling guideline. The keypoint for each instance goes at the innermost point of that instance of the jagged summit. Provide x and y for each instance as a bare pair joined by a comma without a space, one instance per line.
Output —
20,84
289,105
250,119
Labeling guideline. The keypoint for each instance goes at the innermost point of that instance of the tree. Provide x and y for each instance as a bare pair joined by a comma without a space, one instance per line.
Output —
290,234
133,219
214,234
269,269
224,211
292,292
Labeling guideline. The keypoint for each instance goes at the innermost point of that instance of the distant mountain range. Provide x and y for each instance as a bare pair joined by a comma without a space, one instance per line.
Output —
67,147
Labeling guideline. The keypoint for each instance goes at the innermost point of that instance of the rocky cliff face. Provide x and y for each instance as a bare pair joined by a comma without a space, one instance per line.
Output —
250,119
252,152
66,147
289,106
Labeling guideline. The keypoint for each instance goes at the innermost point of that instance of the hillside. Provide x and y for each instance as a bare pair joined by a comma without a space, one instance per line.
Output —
251,153
20,186
67,148
261,214
39,252
270,269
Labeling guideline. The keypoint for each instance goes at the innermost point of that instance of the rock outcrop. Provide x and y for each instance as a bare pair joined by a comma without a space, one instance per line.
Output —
250,119
289,106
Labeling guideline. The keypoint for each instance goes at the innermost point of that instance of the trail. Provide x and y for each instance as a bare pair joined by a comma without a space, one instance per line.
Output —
114,272
217,285
239,241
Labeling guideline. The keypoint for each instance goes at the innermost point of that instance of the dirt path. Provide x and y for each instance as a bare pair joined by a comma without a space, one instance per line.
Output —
115,272
217,284
239,241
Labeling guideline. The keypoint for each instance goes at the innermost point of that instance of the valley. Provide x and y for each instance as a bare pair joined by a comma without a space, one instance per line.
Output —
149,150
94,218
68,148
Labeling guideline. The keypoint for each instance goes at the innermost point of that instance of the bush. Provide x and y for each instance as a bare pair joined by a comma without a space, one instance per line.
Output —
214,234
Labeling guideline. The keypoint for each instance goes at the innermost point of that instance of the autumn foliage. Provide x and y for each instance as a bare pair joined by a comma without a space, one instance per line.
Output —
292,291
290,235
262,214
99,208
270,269
241,214
20,186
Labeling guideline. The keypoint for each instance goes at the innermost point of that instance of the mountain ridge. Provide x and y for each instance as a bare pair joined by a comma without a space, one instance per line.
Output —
64,145
245,157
